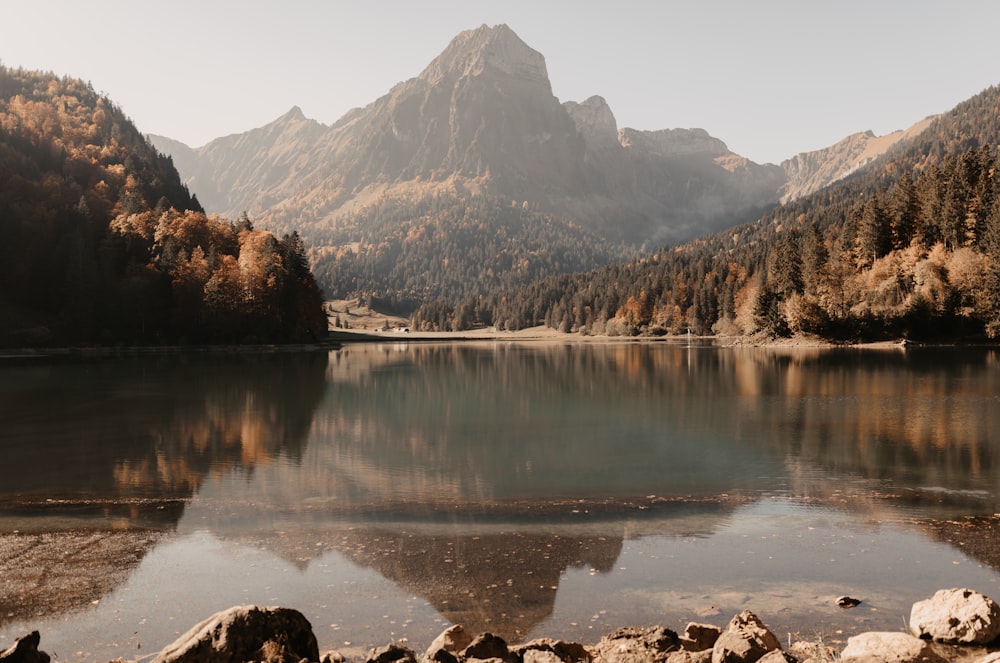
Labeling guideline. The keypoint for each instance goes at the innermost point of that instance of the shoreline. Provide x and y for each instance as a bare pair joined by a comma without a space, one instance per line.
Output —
338,338
954,626
800,615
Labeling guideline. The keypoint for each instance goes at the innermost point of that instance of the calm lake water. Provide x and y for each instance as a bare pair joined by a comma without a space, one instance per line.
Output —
389,490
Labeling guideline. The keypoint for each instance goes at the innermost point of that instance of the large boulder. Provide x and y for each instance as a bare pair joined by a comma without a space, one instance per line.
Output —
487,646
699,637
744,640
956,616
25,650
893,647
451,641
653,644
245,633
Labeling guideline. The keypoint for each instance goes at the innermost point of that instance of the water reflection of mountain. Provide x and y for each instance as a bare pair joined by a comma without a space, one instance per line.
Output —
402,443
496,571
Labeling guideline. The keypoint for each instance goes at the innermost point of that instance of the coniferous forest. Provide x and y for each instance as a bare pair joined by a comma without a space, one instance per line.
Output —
908,247
446,247
100,243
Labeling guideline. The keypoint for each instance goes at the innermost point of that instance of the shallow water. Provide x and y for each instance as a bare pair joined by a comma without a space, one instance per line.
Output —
387,491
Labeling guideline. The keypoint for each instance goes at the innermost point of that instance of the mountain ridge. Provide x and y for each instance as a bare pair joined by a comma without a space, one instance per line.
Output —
481,120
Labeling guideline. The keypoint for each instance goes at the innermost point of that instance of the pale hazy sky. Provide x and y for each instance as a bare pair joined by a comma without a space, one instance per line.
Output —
770,78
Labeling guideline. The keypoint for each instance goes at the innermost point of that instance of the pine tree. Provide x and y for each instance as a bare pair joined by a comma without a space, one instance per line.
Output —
902,209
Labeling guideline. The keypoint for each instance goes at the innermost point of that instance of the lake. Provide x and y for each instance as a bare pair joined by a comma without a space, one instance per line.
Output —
562,490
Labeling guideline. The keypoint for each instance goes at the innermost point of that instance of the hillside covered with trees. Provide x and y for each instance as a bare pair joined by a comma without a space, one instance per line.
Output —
907,247
448,247
100,243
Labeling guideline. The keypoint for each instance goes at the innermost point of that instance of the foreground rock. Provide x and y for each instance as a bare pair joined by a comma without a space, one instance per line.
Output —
956,616
637,645
700,637
888,648
25,650
282,635
246,633
745,639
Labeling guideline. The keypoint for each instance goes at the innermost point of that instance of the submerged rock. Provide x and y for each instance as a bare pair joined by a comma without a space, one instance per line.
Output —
956,616
245,633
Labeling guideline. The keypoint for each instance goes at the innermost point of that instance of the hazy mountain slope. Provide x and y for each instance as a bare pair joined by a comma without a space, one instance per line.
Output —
247,171
809,172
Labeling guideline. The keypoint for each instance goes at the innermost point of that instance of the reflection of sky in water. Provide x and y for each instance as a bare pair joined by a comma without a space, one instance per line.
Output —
781,559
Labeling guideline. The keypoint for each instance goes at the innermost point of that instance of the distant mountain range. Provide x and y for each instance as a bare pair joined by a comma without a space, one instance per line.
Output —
480,121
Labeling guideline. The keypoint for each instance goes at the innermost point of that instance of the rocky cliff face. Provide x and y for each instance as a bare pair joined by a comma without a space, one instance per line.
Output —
673,142
595,122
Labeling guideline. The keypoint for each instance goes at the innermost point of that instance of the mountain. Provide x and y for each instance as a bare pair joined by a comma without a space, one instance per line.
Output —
478,128
809,172
229,172
905,246
101,243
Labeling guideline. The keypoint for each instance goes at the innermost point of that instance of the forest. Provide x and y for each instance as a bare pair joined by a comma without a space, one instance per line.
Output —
908,247
101,243
399,254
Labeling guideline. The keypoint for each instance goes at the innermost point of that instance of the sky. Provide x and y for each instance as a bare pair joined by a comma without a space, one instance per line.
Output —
770,78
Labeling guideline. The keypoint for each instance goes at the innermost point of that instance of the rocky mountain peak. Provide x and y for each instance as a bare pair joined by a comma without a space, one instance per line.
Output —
474,51
594,120
294,114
